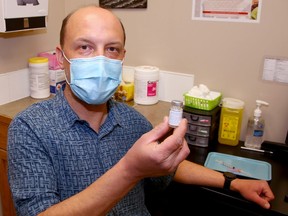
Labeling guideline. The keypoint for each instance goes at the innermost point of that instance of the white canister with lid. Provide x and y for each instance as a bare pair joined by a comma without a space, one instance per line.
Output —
39,77
146,85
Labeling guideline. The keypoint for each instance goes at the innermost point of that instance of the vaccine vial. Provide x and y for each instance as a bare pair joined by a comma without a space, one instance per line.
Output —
176,113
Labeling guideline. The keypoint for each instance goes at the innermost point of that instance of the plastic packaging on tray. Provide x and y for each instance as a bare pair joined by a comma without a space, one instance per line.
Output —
202,103
240,166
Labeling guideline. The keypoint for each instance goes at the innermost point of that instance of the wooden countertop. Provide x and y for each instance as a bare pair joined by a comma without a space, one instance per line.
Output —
154,113
12,108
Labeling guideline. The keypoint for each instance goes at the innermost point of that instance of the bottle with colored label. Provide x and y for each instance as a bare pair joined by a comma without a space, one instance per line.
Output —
255,127
230,121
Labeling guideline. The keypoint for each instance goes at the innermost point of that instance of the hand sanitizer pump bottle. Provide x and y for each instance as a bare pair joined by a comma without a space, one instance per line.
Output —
255,127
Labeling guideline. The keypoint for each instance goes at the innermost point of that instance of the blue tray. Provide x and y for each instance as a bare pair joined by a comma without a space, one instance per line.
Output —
240,166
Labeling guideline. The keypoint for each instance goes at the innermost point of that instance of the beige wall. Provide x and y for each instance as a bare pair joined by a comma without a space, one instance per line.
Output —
227,57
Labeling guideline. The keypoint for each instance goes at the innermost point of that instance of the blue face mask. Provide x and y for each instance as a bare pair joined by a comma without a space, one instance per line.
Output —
94,80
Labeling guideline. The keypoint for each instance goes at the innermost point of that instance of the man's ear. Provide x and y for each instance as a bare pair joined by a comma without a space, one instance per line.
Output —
60,57
124,53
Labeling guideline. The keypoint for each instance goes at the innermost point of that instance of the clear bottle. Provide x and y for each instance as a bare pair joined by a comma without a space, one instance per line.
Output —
255,127
176,113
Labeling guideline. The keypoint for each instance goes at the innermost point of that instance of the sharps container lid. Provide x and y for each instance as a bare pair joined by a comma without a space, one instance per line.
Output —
232,103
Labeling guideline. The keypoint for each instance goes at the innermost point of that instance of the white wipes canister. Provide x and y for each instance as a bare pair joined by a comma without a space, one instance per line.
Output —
146,85
39,77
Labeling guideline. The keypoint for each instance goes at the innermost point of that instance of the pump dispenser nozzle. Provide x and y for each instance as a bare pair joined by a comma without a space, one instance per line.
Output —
259,103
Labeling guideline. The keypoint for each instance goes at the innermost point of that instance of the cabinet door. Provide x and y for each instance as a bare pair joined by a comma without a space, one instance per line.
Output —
4,124
7,203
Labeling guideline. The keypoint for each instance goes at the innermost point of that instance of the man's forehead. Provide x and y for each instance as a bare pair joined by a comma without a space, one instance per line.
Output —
88,19
94,12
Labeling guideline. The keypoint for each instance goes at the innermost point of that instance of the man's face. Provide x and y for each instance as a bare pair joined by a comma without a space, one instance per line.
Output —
91,32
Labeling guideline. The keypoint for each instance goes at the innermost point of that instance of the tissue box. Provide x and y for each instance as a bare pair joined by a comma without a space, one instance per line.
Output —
53,63
57,79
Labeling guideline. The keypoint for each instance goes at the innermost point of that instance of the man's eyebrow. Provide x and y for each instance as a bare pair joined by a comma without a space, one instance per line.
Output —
80,39
115,43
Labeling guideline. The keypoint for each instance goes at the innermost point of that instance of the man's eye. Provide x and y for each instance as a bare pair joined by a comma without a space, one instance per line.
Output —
84,47
112,49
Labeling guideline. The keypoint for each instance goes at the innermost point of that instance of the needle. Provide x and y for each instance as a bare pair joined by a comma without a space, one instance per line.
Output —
233,168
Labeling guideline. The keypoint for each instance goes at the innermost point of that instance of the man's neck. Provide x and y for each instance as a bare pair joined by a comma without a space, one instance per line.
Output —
95,115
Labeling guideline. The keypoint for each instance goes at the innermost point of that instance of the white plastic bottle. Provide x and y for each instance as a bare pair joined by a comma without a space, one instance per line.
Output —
255,127
39,77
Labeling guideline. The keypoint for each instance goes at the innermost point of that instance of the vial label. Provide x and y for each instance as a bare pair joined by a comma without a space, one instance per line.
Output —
175,117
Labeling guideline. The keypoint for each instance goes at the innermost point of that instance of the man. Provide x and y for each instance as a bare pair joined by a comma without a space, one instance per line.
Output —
82,153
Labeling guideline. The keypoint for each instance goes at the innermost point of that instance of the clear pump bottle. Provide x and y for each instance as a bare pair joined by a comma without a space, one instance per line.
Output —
255,127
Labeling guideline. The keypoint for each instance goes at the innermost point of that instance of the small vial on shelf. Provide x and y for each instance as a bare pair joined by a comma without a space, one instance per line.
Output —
176,113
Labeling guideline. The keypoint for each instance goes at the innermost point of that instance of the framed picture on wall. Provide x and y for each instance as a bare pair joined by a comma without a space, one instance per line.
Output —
227,10
123,3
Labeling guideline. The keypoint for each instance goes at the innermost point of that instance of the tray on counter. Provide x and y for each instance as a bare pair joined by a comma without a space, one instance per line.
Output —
240,166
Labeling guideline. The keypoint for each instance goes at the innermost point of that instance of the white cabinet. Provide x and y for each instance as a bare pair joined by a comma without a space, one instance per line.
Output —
19,15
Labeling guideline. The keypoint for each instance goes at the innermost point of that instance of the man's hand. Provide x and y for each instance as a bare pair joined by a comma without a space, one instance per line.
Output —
148,157
257,191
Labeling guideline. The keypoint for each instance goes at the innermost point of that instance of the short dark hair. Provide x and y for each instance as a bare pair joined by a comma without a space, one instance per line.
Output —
66,19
